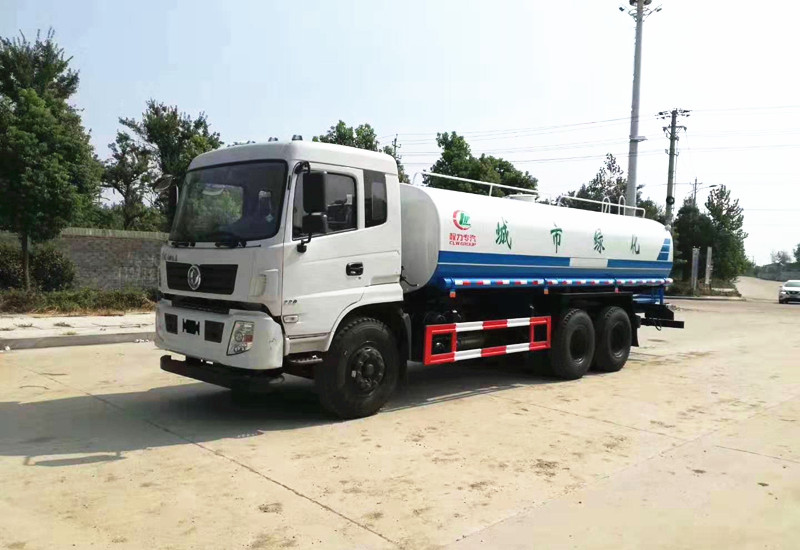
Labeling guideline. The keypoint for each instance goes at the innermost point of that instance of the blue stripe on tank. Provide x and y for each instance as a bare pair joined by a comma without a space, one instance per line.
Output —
663,256
483,265
499,259
636,264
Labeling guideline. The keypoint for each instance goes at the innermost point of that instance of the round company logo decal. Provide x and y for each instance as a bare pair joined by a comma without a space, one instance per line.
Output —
193,277
461,220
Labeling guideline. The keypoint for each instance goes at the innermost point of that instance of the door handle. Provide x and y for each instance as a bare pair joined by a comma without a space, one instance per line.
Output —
355,269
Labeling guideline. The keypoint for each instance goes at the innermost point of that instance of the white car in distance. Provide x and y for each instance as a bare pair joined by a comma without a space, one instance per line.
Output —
789,292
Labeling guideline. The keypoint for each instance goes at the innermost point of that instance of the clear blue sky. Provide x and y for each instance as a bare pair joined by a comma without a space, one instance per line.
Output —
497,71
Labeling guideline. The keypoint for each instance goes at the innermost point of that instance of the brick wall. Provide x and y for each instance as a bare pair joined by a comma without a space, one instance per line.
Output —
110,259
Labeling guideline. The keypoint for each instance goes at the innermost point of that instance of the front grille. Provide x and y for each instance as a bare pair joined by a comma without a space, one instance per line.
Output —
214,278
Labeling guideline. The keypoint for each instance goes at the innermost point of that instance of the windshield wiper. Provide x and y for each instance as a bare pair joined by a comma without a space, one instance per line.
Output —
180,244
227,239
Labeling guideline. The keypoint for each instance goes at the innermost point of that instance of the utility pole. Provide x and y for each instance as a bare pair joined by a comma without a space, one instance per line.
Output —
694,193
672,134
395,146
640,13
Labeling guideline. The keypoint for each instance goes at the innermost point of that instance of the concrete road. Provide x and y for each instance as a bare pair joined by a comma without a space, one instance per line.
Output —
752,288
695,444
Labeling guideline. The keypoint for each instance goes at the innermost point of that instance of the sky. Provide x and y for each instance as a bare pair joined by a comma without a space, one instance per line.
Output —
546,85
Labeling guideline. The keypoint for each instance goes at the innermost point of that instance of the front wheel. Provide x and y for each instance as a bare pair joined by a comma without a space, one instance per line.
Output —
572,349
360,371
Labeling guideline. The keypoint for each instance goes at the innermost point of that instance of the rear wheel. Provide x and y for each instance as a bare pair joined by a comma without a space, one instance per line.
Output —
572,348
360,371
613,335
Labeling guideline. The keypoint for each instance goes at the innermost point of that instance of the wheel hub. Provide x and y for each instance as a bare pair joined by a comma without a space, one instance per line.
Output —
367,369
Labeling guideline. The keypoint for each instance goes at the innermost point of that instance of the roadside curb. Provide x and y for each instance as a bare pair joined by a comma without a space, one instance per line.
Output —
76,340
708,298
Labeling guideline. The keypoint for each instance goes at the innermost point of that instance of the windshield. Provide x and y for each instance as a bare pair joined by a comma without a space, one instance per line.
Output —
234,202
793,284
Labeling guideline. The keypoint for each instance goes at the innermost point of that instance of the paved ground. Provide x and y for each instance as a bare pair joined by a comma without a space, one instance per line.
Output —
758,289
695,444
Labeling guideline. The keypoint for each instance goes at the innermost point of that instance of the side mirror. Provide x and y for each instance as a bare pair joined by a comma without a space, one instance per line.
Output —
163,183
314,223
314,192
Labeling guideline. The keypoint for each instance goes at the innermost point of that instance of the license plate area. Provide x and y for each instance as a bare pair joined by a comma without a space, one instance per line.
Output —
191,327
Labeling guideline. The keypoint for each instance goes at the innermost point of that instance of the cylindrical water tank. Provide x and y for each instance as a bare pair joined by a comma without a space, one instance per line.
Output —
449,235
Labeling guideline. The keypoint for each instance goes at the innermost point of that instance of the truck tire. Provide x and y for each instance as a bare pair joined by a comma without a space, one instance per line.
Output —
613,334
360,371
572,348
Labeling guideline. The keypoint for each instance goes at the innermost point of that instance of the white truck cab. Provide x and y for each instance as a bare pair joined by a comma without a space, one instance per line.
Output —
244,281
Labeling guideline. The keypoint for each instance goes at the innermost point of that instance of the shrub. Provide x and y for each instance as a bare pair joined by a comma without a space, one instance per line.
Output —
10,266
51,270
83,301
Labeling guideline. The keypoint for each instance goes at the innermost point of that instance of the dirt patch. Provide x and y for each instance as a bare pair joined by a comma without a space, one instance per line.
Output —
272,508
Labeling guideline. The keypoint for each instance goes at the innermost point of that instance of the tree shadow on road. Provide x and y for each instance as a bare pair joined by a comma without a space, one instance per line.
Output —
102,426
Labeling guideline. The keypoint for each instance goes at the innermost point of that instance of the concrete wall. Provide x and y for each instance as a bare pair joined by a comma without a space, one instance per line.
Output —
110,259
779,274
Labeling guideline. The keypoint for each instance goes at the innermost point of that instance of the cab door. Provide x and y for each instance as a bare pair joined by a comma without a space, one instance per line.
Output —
332,272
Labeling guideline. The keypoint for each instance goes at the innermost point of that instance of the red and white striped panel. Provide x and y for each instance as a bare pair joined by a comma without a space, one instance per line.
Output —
462,283
453,329
497,282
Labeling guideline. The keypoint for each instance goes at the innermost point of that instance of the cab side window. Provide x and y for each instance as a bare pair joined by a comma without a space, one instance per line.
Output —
340,204
375,198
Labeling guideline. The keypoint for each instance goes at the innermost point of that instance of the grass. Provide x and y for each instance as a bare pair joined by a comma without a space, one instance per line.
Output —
85,301
683,288
62,324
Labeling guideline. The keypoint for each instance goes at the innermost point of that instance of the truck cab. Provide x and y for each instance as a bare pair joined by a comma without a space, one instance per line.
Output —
272,246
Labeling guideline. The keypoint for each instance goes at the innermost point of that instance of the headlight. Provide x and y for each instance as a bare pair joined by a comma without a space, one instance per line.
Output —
783,291
241,337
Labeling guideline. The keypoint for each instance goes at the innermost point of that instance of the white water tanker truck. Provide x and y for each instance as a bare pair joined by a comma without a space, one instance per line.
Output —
313,260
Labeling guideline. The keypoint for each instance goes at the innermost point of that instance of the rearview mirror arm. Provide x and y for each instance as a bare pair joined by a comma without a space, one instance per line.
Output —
302,245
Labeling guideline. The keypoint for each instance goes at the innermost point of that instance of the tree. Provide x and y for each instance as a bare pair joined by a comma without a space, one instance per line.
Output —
457,160
610,182
172,139
691,229
727,219
781,257
361,137
128,172
796,253
47,167
39,66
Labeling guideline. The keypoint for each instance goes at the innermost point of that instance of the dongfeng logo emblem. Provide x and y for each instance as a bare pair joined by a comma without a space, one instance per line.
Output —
193,277
461,220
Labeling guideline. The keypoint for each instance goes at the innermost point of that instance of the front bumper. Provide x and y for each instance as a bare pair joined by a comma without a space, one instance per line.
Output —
221,375
265,354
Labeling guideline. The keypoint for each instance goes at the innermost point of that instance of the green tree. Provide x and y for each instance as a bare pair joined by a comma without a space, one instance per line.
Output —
796,253
781,257
361,137
610,182
172,139
128,172
39,66
48,171
691,229
727,219
457,160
